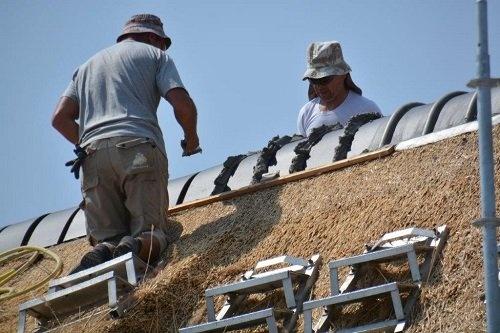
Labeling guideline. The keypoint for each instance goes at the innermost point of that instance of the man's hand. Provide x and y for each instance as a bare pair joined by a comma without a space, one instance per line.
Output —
190,147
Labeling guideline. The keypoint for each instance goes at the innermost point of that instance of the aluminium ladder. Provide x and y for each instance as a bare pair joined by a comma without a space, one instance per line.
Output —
392,246
299,272
91,287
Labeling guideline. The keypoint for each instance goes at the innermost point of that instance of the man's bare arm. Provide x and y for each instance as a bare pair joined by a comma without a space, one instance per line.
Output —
63,119
186,115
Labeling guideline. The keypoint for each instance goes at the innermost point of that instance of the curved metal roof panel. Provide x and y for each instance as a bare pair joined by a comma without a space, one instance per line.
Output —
456,112
203,184
284,158
77,227
13,235
369,136
176,189
411,124
322,153
48,231
243,175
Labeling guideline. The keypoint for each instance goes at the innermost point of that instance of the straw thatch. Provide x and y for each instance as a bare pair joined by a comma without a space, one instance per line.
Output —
334,214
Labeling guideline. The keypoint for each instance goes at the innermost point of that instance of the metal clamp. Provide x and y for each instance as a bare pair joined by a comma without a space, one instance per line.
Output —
492,82
487,221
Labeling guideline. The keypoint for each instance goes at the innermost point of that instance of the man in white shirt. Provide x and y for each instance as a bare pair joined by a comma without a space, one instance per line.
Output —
338,98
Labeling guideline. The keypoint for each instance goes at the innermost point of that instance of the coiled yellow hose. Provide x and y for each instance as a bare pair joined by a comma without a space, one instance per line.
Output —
8,292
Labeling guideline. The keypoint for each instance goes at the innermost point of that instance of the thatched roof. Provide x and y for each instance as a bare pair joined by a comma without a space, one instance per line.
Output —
333,214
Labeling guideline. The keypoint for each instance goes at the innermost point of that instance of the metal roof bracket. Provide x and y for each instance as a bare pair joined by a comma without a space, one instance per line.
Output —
297,272
392,246
88,288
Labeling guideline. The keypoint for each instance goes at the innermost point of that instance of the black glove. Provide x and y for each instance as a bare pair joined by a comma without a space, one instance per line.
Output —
77,162
185,153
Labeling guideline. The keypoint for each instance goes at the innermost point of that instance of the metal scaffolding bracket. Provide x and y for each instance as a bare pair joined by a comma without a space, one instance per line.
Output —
104,283
267,316
403,237
391,246
484,82
357,296
487,221
296,279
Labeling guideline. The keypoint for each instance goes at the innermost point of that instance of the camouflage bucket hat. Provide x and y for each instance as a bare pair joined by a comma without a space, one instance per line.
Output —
325,59
141,23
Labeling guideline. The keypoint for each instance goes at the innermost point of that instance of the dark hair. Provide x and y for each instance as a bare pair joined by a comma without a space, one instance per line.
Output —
350,85
311,93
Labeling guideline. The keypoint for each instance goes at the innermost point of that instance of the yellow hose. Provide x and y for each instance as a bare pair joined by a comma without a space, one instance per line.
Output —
8,292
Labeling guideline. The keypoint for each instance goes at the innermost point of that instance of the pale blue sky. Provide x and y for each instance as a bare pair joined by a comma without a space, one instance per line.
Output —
241,61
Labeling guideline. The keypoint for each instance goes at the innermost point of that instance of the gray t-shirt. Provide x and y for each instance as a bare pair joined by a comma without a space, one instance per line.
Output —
118,91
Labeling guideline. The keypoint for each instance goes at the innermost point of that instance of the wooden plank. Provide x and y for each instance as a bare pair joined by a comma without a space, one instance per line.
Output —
286,179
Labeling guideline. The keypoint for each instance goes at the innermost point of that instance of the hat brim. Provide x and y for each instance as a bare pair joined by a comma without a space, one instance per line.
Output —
167,39
318,73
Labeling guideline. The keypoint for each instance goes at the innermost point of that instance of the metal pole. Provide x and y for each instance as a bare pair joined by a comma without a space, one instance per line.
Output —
488,220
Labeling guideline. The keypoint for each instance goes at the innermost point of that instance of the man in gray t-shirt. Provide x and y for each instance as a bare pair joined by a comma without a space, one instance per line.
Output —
119,143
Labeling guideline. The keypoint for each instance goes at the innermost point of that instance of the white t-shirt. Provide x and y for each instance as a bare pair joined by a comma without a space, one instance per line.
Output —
310,116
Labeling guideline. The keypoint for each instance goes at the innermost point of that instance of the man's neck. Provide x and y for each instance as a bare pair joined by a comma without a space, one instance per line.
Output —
335,102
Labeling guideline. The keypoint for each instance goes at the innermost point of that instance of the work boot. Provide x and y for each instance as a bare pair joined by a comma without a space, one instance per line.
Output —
150,249
98,255
126,245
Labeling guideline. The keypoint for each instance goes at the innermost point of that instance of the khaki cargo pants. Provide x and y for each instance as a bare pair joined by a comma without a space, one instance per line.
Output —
124,189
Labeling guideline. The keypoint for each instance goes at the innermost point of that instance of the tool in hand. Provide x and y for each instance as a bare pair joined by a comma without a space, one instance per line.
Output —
185,153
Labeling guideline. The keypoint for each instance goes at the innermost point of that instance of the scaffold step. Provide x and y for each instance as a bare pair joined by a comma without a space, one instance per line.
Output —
375,327
299,272
261,284
96,291
354,297
128,267
384,255
237,322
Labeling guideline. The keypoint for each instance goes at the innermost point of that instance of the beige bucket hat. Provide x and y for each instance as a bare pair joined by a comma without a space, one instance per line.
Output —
325,59
141,23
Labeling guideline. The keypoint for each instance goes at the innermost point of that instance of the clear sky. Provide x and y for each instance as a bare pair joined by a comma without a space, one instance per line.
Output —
241,61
